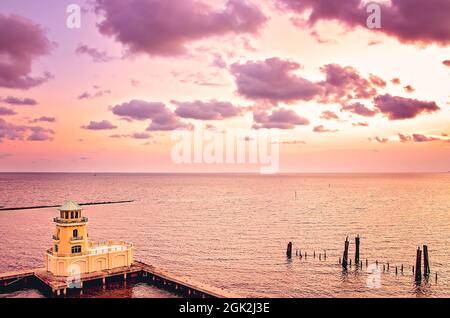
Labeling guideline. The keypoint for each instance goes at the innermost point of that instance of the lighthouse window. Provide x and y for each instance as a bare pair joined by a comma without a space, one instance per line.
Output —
76,249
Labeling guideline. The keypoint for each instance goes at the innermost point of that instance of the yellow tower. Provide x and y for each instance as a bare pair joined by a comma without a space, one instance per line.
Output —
71,235
73,254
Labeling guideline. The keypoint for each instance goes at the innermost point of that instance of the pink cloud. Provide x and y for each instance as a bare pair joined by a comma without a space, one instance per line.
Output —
279,118
399,108
322,129
273,80
410,21
380,140
210,110
21,42
446,63
166,27
139,110
329,115
360,124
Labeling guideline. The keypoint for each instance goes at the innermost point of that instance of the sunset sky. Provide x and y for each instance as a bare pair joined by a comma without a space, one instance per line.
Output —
107,96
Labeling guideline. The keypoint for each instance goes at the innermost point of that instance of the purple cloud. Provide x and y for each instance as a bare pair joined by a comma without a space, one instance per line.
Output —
96,55
6,112
139,110
359,109
345,83
410,21
46,119
417,138
100,125
17,101
399,108
166,27
162,119
279,118
273,80
210,110
11,131
21,42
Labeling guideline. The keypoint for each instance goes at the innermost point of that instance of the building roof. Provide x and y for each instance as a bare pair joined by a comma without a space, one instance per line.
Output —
70,206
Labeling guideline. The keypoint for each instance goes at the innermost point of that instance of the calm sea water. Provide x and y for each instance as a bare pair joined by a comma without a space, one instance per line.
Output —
231,231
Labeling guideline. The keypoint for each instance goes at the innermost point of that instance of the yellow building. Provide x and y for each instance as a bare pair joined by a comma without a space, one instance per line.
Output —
73,254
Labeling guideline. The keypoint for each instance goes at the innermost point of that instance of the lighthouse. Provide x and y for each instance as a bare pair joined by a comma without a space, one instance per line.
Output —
73,254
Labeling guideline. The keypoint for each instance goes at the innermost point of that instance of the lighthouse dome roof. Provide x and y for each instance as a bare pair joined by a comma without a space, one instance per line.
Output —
70,206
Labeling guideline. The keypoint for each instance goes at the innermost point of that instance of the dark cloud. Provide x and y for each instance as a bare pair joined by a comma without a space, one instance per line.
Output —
96,55
273,80
410,21
6,111
322,129
17,101
11,131
279,118
99,125
21,42
359,109
157,27
210,110
399,108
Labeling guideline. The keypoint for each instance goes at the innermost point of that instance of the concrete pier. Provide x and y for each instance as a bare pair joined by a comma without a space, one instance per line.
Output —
58,286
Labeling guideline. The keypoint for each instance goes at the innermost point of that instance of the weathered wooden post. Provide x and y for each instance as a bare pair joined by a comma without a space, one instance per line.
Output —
345,256
426,264
357,241
418,277
289,250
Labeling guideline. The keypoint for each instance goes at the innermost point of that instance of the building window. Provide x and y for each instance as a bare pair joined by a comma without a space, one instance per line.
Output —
71,215
75,233
76,249
56,248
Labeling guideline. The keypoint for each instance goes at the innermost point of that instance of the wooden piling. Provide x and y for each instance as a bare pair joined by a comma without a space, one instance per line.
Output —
401,268
357,241
426,264
289,250
367,262
418,277
345,256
